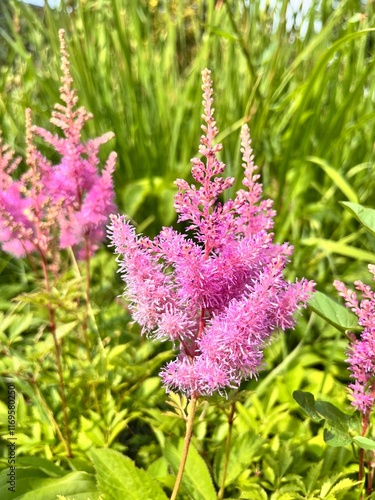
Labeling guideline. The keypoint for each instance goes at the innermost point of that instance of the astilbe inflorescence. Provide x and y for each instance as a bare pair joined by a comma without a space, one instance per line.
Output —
361,358
57,205
219,294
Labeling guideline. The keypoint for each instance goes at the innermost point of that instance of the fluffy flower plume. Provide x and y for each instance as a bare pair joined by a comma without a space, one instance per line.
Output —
361,358
66,204
217,292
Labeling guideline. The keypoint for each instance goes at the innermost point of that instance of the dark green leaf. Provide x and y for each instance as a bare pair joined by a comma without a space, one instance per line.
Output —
307,403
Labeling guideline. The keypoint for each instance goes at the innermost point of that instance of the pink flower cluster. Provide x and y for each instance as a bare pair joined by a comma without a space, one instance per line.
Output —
66,204
217,292
361,352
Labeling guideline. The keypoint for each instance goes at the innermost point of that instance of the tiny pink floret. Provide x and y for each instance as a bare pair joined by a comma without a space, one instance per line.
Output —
361,351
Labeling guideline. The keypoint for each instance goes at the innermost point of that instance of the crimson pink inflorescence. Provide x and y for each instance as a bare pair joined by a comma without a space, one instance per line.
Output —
361,352
217,292
68,202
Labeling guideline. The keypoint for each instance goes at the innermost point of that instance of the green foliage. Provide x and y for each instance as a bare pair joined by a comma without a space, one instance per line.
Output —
304,81
305,85
196,481
339,424
118,477
43,483
336,314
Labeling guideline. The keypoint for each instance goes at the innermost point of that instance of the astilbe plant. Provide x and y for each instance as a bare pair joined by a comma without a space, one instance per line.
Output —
73,194
361,356
51,207
218,291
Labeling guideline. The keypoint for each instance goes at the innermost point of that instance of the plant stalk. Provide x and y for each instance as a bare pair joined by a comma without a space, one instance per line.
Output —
52,326
220,495
187,440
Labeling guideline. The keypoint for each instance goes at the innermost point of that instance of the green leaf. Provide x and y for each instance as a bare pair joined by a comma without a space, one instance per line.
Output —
135,194
253,492
243,449
65,329
334,437
90,429
364,442
366,216
339,248
118,477
196,479
335,417
339,181
306,401
343,486
336,314
43,464
34,484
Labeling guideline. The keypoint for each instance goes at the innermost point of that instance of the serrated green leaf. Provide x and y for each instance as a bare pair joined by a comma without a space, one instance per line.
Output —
243,449
365,216
335,314
118,477
306,401
196,479
364,442
254,492
343,486
312,476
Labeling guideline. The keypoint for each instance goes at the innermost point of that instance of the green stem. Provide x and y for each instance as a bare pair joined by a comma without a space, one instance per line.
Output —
50,414
187,440
85,322
52,325
220,495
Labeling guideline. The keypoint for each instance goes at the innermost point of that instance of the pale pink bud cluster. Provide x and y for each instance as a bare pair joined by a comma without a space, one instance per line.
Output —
361,352
217,292
66,204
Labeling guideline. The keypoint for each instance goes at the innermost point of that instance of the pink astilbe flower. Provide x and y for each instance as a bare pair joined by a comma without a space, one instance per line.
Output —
27,213
77,197
217,292
88,197
361,352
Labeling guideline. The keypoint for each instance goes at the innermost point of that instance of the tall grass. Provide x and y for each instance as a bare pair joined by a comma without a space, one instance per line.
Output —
302,78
